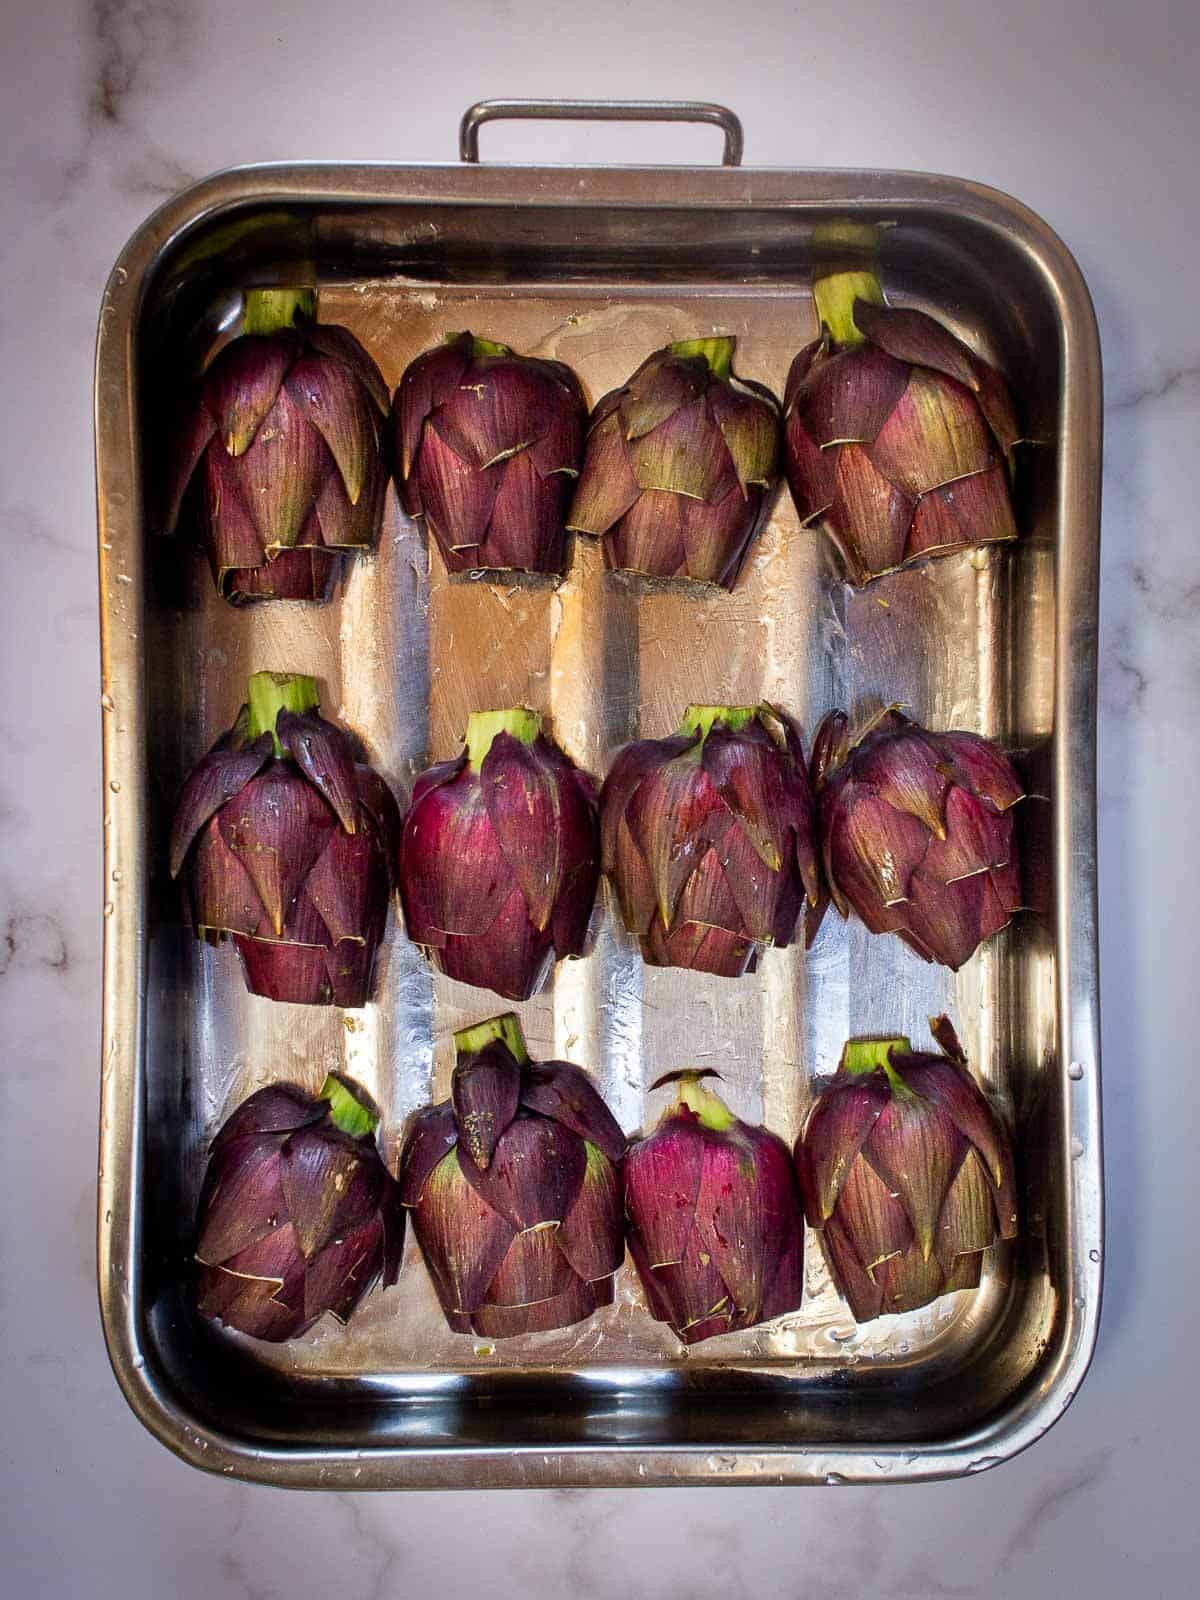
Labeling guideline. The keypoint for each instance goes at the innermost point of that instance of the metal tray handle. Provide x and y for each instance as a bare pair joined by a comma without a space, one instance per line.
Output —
601,111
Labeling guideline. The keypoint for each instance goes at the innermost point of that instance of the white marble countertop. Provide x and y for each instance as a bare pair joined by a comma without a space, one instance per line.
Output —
1086,110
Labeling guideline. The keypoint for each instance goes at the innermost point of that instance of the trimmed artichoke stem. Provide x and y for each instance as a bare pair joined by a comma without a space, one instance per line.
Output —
270,310
346,1110
862,1056
702,719
834,296
483,726
708,1108
470,1041
717,352
273,692
480,347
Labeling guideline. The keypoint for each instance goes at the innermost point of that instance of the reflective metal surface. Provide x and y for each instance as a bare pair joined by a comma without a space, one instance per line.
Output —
597,267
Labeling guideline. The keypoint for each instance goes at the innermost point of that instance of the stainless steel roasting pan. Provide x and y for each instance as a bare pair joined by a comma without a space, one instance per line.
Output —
598,266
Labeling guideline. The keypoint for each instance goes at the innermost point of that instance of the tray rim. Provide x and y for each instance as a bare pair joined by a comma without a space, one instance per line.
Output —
122,1107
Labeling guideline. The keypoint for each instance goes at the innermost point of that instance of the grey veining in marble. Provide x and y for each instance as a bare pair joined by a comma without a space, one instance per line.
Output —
1085,109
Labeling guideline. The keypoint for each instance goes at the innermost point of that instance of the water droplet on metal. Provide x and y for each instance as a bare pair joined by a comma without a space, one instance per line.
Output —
115,785
1093,1255
1076,1149
1075,1071
107,702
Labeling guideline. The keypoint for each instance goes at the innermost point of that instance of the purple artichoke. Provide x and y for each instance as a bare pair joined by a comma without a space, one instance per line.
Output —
485,447
708,838
716,1225
500,855
917,832
907,1173
298,1214
897,435
282,445
515,1190
680,465
288,844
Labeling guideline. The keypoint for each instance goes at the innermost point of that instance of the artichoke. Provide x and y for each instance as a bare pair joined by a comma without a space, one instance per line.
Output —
288,843
917,832
716,1226
298,1214
514,1185
708,838
897,436
907,1173
680,466
485,447
500,855
282,445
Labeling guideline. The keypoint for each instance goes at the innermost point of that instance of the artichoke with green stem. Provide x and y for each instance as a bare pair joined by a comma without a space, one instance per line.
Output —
907,1174
514,1187
716,1224
485,446
298,1214
681,465
279,452
286,844
898,437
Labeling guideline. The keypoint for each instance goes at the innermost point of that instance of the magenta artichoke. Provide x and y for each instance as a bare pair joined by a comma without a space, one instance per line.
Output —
680,465
288,843
917,832
708,838
907,1172
514,1185
715,1221
282,446
500,855
486,445
897,435
298,1214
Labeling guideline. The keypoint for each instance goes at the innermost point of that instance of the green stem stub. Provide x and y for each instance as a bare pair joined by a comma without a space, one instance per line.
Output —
483,727
273,692
718,352
870,1055
835,295
708,1108
480,347
470,1041
702,719
346,1110
270,310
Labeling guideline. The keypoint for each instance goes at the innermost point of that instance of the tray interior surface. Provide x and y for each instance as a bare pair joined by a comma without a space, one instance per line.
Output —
403,654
